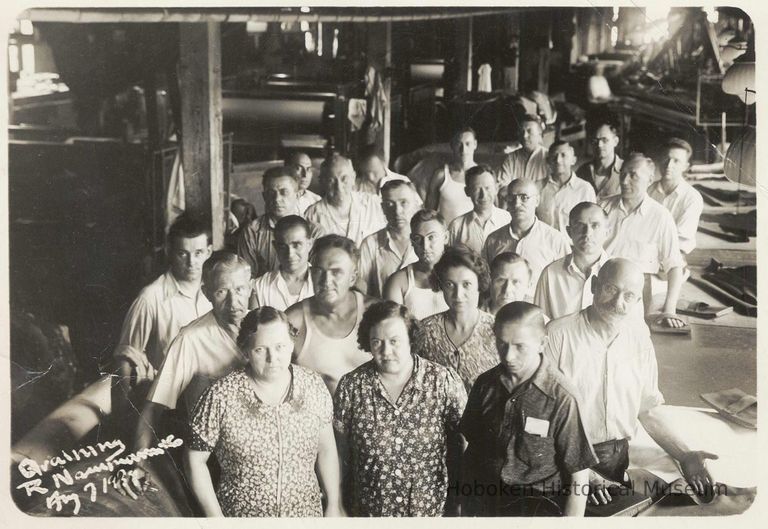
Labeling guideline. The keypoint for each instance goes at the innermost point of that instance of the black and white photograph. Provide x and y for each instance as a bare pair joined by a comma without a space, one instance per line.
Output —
309,261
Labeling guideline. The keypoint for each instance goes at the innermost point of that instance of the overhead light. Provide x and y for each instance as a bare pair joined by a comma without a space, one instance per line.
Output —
739,80
304,9
740,159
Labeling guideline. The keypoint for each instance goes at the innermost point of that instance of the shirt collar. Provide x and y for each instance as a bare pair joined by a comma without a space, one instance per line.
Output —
171,287
641,210
571,266
570,183
534,227
416,381
543,378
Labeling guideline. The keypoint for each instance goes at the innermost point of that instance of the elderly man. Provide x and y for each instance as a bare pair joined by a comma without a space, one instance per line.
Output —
678,196
643,231
529,162
255,241
204,351
167,304
565,286
327,322
609,357
389,249
562,189
301,165
602,171
527,236
471,229
344,211
292,282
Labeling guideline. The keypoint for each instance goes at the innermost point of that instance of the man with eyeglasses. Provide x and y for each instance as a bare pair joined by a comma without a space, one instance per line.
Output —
643,231
609,358
527,236
301,165
603,170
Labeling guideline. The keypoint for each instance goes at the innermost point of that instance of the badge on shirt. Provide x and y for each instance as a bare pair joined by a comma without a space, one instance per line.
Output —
536,426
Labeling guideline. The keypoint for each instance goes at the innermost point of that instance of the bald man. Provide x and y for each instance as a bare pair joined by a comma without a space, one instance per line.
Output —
344,211
562,189
643,231
527,236
608,356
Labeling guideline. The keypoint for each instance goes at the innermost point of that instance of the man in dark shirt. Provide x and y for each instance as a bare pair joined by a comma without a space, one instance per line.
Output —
528,453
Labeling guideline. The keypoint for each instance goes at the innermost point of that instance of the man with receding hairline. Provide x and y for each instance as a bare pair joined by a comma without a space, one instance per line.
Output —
565,286
301,165
562,189
643,231
472,228
342,210
523,427
537,242
607,354
603,170
255,241
389,249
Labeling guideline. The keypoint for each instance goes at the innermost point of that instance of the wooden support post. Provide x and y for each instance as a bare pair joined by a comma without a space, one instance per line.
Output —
201,130
463,54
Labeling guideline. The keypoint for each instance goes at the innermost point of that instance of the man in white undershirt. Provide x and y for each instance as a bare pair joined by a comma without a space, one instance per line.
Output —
292,282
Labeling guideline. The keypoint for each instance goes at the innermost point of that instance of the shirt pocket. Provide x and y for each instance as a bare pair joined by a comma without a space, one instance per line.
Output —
535,451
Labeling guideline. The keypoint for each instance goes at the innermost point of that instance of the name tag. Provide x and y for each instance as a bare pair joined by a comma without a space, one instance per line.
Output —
536,426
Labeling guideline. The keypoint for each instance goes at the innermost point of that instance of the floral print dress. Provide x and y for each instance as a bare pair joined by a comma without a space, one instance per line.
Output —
267,453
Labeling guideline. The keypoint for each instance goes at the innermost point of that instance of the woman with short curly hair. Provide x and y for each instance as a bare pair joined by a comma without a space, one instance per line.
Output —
269,425
461,337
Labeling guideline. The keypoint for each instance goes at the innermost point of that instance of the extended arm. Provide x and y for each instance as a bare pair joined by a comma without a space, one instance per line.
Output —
692,462
433,190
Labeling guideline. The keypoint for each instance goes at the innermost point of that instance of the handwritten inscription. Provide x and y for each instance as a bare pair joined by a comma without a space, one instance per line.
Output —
55,468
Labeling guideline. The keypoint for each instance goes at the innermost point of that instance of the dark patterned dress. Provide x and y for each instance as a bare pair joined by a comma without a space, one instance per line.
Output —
398,451
475,356
267,453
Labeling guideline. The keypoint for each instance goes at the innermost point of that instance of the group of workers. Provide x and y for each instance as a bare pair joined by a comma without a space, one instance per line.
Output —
481,350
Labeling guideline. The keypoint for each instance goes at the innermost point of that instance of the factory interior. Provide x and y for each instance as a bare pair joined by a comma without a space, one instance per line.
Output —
120,116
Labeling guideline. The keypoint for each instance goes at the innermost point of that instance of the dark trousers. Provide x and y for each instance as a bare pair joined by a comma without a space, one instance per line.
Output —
614,459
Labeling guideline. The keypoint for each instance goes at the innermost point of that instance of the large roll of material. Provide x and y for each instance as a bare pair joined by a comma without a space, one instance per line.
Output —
286,112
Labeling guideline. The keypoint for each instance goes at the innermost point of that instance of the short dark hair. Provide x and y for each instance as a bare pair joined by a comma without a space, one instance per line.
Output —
639,157
519,312
463,130
278,172
583,206
679,143
292,221
293,157
189,226
380,311
258,317
473,172
556,144
335,241
461,256
394,184
223,259
368,152
532,118
509,258
426,215
593,127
